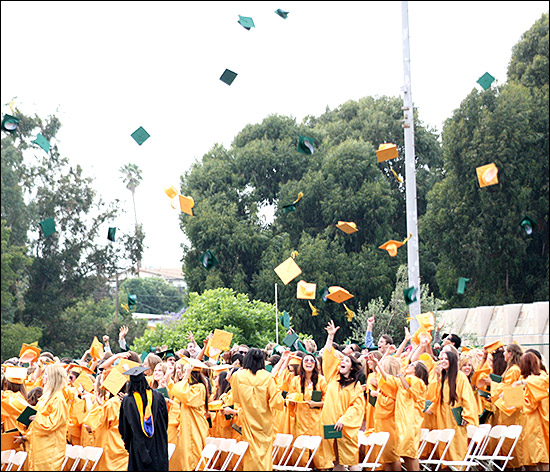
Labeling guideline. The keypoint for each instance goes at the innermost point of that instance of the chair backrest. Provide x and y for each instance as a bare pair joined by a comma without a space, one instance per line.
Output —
237,449
171,449
18,459
91,454
281,443
224,445
512,432
207,454
300,444
76,454
7,456
374,439
477,441
445,436
423,437
470,430
433,439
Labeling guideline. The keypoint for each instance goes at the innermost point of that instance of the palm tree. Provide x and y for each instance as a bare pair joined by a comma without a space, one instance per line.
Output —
131,176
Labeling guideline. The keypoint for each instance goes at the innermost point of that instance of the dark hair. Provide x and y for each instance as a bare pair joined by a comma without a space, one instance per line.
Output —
516,353
134,356
238,357
455,339
529,364
254,360
538,354
223,384
387,338
421,371
197,377
65,360
354,373
138,383
450,376
274,359
499,364
7,385
314,374
34,395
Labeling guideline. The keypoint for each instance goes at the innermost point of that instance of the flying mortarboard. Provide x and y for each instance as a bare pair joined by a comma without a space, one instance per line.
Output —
228,76
338,294
134,371
84,380
208,259
285,319
305,291
410,294
16,375
288,270
283,14
140,135
528,224
79,368
220,341
290,339
246,22
96,349
461,285
185,203
9,123
386,152
347,227
42,142
171,191
426,323
305,145
125,364
48,227
487,175
111,233
492,347
392,246
485,80
132,300
29,353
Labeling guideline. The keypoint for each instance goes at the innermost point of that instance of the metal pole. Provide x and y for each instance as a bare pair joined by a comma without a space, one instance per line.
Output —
116,282
276,317
410,172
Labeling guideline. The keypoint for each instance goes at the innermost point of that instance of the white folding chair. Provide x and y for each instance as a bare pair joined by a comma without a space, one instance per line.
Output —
7,456
224,445
207,455
445,436
171,449
495,433
297,445
370,441
301,444
91,454
474,446
238,449
74,453
281,445
489,462
433,439
423,437
18,459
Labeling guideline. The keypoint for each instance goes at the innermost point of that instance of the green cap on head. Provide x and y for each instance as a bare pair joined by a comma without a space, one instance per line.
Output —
140,135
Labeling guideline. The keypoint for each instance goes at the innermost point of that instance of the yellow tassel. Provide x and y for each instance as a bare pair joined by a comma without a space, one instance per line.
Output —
405,240
314,311
350,314
300,195
397,177
294,254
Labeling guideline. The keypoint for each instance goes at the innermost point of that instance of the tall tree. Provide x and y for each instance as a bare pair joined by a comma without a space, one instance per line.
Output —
131,176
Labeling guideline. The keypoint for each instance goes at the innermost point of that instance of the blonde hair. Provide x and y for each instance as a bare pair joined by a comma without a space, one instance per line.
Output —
310,345
391,365
56,380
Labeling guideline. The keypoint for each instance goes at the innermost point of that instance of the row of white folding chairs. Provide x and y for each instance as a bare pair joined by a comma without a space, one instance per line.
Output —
214,447
86,454
370,441
302,443
11,458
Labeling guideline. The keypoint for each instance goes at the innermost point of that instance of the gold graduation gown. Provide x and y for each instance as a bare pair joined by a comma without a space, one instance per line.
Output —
107,436
13,404
193,428
47,433
384,416
258,397
534,436
444,418
409,415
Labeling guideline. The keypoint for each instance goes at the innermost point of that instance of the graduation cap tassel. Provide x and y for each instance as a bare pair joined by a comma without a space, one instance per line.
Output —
350,314
314,311
300,195
294,254
397,177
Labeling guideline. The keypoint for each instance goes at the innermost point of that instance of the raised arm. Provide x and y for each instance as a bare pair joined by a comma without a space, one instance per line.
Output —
331,331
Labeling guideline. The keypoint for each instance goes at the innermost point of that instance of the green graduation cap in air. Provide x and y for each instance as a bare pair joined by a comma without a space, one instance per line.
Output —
228,76
486,80
305,145
410,294
132,300
528,224
246,22
111,234
140,135
285,320
9,123
461,285
48,227
208,259
42,142
281,13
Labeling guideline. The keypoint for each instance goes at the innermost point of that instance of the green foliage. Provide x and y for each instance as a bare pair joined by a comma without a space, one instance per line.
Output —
13,337
154,295
251,322
14,266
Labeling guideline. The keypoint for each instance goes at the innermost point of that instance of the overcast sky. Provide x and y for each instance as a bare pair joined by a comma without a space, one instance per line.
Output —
106,68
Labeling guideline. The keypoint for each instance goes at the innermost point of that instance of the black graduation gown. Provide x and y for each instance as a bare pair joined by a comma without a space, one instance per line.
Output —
145,453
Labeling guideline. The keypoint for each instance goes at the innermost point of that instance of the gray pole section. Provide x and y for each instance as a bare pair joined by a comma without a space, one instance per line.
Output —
276,317
410,172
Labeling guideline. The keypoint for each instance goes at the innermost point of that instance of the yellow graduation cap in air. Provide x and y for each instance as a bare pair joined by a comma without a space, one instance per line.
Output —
288,270
96,349
338,294
347,227
29,353
185,204
114,381
84,380
392,246
487,175
427,323
386,152
492,347
305,291
124,365
220,341
171,191
15,375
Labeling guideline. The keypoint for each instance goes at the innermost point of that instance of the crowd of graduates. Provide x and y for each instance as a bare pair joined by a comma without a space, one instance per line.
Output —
251,393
